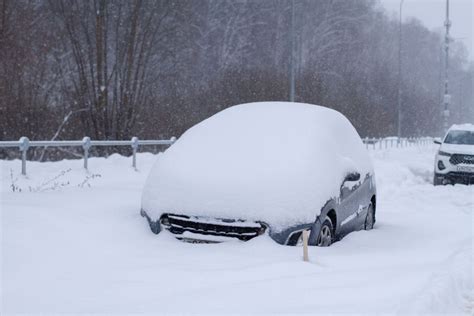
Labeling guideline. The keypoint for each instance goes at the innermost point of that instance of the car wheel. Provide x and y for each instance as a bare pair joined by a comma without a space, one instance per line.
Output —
325,236
437,181
370,218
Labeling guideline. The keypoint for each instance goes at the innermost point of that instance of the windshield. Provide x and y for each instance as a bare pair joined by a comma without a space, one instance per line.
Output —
460,138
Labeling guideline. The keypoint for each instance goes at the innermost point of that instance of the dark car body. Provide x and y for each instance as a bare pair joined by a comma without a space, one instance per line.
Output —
239,174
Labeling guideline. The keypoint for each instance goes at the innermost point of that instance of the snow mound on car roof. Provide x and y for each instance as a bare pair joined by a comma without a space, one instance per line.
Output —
462,127
277,162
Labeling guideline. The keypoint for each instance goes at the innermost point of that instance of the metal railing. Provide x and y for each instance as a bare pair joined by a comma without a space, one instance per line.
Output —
86,143
395,142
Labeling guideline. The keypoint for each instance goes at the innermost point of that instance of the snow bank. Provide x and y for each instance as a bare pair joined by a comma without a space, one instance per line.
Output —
276,162
86,250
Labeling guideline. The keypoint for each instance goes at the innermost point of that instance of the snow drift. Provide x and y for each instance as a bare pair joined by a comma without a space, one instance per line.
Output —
81,249
276,162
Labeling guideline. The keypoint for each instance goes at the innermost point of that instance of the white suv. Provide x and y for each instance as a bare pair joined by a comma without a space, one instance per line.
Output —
454,161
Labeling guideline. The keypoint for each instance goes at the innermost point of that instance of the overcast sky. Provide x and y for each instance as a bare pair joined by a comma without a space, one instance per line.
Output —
433,12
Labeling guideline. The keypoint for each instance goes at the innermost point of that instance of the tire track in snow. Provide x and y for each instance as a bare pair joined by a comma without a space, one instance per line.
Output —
448,290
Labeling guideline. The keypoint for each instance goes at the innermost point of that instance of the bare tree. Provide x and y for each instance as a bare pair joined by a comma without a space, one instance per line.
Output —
153,68
117,48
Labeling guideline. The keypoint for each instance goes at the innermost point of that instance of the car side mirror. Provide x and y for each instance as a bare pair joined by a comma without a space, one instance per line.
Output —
437,142
353,176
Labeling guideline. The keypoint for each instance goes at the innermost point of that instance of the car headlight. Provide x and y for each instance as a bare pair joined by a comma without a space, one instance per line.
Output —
441,165
443,153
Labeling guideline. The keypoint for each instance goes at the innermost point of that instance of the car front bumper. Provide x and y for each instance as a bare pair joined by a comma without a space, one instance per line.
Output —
454,169
455,177
202,229
208,230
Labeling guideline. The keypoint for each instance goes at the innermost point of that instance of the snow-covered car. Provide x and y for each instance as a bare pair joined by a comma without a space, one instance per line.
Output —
454,162
268,167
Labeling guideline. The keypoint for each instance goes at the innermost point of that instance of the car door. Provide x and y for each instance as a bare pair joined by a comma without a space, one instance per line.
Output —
362,198
349,205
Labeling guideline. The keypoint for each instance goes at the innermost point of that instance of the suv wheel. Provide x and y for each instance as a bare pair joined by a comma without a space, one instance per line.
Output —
437,180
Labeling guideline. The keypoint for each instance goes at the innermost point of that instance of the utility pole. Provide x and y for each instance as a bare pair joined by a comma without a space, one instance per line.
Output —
447,96
399,133
292,53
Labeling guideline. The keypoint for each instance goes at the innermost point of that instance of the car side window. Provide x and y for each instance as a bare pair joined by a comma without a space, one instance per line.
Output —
348,187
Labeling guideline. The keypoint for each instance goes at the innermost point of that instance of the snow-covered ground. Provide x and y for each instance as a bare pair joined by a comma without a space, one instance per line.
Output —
75,242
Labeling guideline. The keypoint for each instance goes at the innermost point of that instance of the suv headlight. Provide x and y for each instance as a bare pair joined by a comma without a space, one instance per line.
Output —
443,153
441,165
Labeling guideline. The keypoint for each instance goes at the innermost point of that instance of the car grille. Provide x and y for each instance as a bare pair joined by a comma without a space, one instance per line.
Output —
460,177
190,228
457,159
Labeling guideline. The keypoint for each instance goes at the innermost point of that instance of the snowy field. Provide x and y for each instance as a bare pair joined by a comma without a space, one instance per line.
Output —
74,242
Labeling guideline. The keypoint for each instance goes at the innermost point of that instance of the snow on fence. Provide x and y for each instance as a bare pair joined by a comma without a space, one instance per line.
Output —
86,143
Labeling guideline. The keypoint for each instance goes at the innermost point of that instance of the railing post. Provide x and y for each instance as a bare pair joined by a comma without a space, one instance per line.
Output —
86,144
134,152
24,143
367,142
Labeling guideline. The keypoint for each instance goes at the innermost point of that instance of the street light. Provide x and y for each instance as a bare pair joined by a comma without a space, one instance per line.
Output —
447,96
399,134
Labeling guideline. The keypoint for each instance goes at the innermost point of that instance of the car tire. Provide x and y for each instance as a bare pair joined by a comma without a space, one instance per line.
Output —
437,180
370,217
326,234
